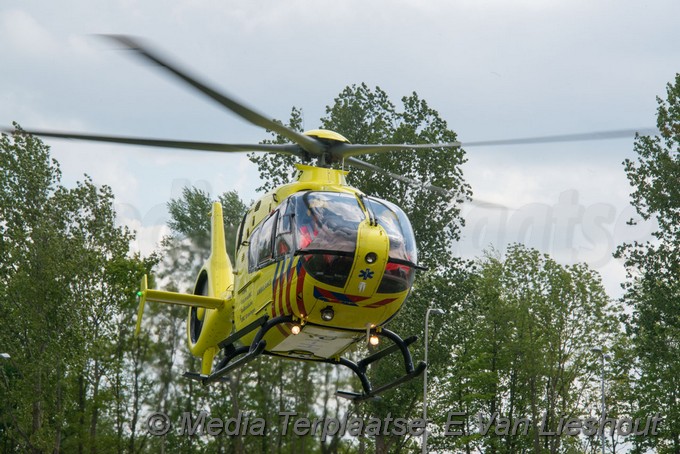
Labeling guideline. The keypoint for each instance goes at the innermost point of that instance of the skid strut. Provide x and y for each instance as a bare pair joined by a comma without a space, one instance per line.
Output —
360,367
249,353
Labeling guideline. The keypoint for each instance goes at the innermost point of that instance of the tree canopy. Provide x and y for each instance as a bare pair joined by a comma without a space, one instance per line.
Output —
67,280
653,285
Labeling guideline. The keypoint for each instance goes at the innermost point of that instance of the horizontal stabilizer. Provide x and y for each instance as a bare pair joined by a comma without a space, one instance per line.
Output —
180,299
184,299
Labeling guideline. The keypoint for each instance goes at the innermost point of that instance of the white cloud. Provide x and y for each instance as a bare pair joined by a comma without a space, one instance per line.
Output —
150,227
23,34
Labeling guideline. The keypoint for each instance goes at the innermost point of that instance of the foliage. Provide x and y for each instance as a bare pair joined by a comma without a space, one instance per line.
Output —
363,115
277,169
653,287
188,246
263,388
67,280
522,349
508,323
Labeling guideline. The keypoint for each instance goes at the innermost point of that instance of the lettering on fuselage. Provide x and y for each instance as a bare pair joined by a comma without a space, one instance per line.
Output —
246,314
263,288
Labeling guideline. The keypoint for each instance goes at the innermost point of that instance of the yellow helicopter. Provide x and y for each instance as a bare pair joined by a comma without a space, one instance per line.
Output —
319,265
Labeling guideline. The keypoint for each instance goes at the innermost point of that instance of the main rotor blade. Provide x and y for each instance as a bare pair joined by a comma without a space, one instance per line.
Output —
366,166
289,149
598,135
344,150
307,143
474,201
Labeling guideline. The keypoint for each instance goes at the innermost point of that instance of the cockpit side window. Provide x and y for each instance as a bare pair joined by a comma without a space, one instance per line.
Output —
252,249
261,251
283,243
399,273
264,241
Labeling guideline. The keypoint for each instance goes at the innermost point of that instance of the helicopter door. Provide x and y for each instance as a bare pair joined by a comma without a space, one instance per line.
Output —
261,252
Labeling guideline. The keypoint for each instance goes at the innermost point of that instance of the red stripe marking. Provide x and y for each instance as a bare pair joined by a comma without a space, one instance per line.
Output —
335,297
275,284
299,290
381,303
356,298
289,279
281,285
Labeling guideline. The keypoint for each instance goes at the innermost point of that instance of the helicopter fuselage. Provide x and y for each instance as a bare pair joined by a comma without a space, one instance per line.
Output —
336,262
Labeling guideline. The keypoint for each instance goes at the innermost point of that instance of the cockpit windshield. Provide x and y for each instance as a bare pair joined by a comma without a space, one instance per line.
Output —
327,221
326,227
398,228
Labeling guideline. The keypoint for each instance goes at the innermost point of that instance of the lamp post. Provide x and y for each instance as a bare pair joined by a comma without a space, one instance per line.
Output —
427,320
599,351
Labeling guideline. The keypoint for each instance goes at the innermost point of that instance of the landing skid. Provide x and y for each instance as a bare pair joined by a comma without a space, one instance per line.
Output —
231,352
360,367
246,354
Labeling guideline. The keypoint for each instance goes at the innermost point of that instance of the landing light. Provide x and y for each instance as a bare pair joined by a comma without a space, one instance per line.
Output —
374,340
295,329
327,314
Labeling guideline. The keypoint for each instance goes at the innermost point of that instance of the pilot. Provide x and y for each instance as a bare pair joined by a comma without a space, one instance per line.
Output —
310,223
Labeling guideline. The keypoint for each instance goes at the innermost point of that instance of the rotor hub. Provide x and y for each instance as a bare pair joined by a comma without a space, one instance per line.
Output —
326,135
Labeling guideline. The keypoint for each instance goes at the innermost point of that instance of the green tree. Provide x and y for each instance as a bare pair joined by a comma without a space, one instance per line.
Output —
277,169
66,283
522,349
653,287
263,388
183,253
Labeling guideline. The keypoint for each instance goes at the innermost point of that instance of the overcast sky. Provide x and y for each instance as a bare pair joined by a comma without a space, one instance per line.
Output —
493,69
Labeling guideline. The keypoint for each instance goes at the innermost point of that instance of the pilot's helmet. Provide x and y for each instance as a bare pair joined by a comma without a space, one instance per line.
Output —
318,202
319,207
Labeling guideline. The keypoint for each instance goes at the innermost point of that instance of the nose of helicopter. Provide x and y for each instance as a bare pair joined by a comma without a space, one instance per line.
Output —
370,259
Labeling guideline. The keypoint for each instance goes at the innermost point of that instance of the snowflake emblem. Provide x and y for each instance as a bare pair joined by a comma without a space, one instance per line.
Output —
366,274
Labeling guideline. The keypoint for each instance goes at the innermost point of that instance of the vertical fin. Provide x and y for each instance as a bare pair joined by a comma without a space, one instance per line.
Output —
221,277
